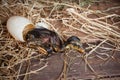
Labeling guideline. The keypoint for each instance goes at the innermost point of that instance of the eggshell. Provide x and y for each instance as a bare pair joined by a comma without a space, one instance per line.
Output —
42,25
16,26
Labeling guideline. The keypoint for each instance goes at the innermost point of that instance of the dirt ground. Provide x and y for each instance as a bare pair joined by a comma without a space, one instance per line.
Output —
73,66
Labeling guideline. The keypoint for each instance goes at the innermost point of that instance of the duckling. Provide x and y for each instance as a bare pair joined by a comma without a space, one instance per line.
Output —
48,42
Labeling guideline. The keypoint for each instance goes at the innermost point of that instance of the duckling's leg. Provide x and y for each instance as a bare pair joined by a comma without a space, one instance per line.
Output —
42,50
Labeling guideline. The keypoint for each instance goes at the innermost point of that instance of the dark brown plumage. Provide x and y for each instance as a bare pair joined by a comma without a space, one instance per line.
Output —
47,41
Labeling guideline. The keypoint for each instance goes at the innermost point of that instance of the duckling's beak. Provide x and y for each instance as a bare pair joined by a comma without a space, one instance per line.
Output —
80,50
75,47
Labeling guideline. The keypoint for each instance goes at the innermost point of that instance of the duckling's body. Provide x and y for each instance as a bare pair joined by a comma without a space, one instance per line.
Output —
47,41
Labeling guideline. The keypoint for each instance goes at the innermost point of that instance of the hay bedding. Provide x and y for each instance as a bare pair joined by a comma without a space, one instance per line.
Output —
66,19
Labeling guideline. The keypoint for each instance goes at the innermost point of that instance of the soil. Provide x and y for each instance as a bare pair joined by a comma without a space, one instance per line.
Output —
108,6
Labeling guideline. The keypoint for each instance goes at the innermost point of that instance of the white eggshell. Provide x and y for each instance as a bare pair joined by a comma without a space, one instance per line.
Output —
42,25
16,25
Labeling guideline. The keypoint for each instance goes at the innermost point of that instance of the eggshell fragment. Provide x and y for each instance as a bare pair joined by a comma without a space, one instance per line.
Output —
16,26
42,25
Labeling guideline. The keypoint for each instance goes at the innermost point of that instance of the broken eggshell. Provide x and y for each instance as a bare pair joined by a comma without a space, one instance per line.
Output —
42,24
19,26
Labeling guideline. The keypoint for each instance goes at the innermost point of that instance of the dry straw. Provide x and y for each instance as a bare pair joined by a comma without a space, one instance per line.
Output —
68,19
